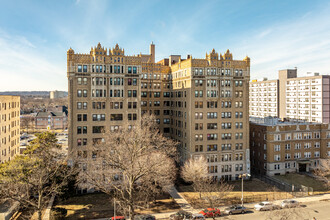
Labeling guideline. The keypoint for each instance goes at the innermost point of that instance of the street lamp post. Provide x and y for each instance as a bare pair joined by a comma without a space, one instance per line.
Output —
242,177
114,208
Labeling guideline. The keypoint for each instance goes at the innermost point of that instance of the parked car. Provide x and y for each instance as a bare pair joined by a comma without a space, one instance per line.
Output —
144,217
63,140
118,218
210,212
264,206
23,144
198,217
289,203
235,209
180,215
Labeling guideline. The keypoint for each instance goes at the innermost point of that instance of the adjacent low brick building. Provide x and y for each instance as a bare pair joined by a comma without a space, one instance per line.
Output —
51,120
279,147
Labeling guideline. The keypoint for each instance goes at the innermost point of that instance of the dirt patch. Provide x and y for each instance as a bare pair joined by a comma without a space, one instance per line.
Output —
93,206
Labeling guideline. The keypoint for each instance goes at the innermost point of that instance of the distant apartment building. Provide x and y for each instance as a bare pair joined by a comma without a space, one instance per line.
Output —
263,98
201,103
306,98
51,120
9,127
57,94
279,147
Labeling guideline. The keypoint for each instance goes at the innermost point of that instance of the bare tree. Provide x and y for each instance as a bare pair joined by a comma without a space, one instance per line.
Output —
196,171
215,192
131,164
31,179
322,172
26,123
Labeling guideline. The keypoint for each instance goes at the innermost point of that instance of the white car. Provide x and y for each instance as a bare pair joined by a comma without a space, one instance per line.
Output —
198,217
289,203
264,206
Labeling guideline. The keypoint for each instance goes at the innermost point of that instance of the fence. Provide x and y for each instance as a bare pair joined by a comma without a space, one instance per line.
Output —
294,189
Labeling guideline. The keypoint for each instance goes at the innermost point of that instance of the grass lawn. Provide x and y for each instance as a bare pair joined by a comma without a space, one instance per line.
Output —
252,185
299,179
254,191
91,206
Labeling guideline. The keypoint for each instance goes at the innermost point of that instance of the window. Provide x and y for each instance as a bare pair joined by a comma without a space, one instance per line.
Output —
212,126
213,147
211,115
307,154
288,136
98,129
297,155
166,121
85,69
212,136
79,68
116,117
98,117
307,145
98,105
277,157
79,130
225,114
132,117
277,137
277,147
225,147
317,145
287,156
226,136
85,93
79,93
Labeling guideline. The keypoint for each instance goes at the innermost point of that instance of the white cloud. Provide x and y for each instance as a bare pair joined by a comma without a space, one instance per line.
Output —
24,67
303,43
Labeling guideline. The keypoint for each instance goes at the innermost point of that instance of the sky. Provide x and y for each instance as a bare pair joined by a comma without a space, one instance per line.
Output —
35,35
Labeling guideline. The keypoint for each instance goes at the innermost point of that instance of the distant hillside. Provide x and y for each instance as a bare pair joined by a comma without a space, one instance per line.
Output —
28,93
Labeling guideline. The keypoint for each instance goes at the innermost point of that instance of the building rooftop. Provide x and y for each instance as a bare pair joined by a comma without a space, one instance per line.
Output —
273,121
46,114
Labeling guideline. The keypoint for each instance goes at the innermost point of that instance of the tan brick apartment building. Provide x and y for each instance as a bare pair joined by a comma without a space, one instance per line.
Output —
9,127
306,98
278,147
202,103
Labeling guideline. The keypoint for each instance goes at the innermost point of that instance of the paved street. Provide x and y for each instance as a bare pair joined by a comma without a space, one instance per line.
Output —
313,206
319,210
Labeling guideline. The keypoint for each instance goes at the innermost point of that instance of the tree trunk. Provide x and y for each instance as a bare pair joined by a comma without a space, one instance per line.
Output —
39,204
131,211
39,214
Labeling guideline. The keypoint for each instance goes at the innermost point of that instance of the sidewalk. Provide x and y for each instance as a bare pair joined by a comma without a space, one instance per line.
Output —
301,200
180,200
186,207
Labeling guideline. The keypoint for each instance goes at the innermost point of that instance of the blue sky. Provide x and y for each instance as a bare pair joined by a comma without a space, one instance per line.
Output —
35,35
